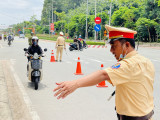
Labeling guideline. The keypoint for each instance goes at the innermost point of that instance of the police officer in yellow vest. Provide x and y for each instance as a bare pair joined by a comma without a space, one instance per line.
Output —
60,44
133,76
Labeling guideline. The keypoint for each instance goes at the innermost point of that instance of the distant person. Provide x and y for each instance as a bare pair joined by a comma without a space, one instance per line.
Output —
30,39
5,37
76,42
60,45
9,37
79,36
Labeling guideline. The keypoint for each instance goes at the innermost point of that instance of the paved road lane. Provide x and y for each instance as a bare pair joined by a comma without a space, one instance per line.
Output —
84,104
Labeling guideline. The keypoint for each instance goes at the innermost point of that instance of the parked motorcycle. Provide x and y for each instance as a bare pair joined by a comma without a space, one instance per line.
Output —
85,45
73,46
34,67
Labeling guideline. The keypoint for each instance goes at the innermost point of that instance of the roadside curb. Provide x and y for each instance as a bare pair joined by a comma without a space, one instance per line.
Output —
5,112
12,105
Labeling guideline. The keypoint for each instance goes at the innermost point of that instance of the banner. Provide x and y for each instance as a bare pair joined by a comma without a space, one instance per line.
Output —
52,27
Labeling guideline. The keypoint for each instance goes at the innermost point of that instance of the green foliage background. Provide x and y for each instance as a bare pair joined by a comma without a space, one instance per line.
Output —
69,16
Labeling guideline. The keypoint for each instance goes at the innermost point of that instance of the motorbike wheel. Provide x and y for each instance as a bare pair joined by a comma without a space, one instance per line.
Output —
9,43
36,83
70,48
27,70
81,49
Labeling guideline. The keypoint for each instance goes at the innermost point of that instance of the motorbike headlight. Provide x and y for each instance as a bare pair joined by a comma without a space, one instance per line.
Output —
35,56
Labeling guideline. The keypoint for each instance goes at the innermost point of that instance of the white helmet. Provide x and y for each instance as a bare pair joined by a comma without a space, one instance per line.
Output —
61,33
35,40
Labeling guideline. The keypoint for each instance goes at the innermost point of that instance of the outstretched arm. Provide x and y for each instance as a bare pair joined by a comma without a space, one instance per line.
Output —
67,87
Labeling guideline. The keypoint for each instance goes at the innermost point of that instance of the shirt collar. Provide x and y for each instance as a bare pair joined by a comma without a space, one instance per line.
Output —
131,54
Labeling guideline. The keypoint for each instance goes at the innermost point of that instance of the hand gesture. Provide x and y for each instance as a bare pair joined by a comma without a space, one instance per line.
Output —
65,88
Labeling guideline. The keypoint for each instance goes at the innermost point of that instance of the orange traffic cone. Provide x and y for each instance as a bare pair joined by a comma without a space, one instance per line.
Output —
102,84
78,70
52,57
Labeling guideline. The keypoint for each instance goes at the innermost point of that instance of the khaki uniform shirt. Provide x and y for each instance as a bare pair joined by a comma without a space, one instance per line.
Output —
133,78
30,40
61,41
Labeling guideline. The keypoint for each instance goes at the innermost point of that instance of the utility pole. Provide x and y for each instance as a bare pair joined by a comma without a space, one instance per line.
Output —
101,23
110,16
95,17
49,21
52,11
110,13
86,35
52,15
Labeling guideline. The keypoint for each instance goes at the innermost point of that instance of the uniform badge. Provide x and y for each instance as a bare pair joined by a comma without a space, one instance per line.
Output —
116,66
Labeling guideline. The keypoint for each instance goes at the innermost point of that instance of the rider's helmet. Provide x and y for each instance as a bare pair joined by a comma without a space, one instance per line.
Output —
35,40
32,33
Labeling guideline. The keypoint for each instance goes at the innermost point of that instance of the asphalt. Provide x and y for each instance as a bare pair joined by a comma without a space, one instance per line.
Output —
12,105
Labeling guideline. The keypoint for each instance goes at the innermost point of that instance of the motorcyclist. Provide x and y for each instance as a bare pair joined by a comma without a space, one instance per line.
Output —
9,37
5,36
35,48
30,39
76,42
80,44
84,44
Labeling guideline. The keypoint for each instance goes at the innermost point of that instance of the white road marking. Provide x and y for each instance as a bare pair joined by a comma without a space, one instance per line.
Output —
155,60
27,100
96,60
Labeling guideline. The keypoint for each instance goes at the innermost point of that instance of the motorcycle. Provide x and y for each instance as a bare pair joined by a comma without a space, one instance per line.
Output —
12,38
73,46
85,45
9,42
34,67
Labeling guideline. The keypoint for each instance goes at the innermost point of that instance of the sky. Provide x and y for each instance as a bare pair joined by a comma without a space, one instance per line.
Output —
16,11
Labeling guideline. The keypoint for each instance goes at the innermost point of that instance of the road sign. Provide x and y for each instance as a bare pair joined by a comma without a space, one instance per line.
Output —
105,33
97,27
97,20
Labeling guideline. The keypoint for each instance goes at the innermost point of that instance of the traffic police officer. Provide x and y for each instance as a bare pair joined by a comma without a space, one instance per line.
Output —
60,44
133,76
30,39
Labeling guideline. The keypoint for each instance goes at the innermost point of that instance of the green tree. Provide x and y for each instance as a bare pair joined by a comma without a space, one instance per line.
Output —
146,29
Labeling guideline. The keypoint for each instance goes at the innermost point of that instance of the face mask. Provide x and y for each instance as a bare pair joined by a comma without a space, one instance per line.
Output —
122,56
35,43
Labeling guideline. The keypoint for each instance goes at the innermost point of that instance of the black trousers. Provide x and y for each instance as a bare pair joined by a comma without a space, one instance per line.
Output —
147,117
